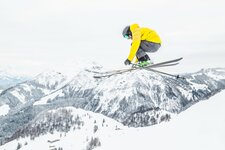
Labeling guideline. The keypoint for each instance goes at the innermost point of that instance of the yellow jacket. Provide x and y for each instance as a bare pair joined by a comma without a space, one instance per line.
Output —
139,34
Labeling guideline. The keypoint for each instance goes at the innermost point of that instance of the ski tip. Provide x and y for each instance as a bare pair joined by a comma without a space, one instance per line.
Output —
180,58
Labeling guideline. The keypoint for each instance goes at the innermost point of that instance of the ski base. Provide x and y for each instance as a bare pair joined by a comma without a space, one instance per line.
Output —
148,67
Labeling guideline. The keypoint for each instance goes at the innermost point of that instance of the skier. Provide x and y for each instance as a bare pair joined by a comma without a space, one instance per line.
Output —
143,40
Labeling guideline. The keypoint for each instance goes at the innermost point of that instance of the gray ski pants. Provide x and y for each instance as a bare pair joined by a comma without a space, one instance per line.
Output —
145,47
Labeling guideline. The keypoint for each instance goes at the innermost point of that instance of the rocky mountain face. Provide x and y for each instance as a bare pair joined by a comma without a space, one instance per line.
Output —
137,99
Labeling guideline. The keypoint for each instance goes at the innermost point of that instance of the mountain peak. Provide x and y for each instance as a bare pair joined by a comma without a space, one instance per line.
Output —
50,78
137,98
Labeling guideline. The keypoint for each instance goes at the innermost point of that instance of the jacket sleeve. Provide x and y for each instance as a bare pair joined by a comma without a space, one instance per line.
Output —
136,41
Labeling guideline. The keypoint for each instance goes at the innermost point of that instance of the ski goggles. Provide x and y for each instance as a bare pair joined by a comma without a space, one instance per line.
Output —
127,36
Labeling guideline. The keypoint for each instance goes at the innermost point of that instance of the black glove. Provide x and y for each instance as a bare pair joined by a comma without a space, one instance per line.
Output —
127,62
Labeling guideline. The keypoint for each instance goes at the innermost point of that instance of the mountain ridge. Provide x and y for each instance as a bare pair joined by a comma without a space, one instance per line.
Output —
137,99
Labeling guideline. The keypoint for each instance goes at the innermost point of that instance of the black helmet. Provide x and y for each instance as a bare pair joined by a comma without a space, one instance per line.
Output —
126,31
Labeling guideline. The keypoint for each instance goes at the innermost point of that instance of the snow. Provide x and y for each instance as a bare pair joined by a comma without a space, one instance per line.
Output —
202,123
197,86
51,78
186,93
4,109
45,91
69,142
78,138
216,76
45,99
21,97
199,127
27,87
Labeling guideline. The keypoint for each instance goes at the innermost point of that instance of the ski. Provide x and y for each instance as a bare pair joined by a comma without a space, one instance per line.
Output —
168,74
114,73
165,65
165,62
135,68
162,64
156,66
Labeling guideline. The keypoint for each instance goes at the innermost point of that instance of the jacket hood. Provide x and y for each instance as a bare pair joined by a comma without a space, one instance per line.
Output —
133,27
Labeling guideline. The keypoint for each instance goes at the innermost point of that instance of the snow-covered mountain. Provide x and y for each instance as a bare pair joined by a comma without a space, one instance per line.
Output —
138,98
32,90
140,95
7,80
199,127
64,128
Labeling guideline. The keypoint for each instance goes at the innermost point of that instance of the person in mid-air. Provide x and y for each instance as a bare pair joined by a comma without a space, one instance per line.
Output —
143,40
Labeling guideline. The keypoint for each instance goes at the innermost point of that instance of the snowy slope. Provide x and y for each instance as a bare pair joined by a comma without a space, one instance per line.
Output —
196,128
199,127
46,99
69,128
4,109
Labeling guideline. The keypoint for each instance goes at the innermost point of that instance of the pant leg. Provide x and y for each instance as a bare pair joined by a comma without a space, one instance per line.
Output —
150,46
145,47
140,53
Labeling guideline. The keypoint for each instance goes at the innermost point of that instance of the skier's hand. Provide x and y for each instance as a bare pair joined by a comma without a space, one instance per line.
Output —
127,62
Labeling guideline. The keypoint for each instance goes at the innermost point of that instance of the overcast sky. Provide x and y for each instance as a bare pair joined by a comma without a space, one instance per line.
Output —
41,34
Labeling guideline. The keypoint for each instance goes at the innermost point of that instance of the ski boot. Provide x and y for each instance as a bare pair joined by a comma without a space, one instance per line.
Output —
144,61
